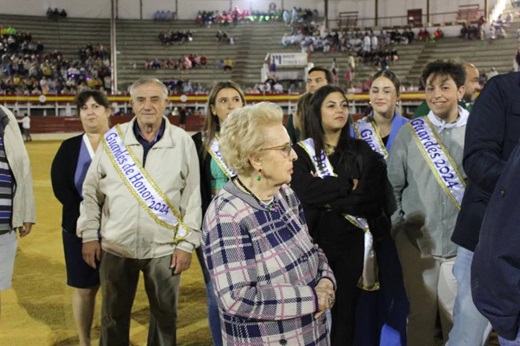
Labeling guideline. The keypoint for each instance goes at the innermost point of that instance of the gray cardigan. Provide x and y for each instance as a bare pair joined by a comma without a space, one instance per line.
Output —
424,210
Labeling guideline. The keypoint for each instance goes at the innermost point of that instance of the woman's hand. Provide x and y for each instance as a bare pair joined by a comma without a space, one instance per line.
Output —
326,296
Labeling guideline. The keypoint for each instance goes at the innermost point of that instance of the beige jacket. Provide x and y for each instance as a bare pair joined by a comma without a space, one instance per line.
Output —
126,228
23,200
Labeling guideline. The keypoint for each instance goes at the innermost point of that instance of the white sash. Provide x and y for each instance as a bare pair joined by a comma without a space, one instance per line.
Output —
366,131
141,185
214,151
369,279
439,159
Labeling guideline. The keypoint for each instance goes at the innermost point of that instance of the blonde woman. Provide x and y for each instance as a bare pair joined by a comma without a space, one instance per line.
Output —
272,282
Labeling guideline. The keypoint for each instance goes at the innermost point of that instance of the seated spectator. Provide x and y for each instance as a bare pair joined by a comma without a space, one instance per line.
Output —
228,64
438,34
278,88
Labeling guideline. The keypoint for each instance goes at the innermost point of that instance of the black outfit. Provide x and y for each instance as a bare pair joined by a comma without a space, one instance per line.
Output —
79,273
492,132
325,200
293,133
205,191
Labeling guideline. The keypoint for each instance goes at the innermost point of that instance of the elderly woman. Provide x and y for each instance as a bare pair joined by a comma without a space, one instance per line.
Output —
223,98
67,174
341,182
272,282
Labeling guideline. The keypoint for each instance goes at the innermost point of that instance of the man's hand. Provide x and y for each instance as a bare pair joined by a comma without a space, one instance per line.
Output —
91,252
25,229
181,261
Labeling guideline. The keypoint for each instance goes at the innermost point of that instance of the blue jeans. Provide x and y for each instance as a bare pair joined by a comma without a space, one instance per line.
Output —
213,315
469,326
505,342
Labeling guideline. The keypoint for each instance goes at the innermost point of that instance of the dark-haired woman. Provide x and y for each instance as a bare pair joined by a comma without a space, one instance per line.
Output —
342,185
223,98
68,171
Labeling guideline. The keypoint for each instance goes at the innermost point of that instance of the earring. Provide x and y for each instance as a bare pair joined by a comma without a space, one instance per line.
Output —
259,176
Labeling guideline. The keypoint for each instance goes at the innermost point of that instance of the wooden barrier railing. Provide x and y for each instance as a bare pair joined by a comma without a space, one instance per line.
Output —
41,124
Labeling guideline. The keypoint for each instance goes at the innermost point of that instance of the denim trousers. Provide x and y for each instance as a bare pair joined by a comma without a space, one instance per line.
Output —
213,314
470,328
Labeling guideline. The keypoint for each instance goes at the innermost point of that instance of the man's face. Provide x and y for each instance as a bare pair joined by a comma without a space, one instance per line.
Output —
472,85
442,96
315,80
149,104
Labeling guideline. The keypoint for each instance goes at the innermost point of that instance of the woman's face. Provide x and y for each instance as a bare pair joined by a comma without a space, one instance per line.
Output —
334,112
94,117
383,96
227,100
276,155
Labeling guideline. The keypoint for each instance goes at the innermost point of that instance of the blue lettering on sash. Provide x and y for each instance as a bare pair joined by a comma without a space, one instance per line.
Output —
434,152
366,135
121,156
322,167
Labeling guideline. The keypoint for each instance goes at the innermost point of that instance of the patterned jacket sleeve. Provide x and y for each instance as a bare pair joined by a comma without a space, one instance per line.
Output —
230,257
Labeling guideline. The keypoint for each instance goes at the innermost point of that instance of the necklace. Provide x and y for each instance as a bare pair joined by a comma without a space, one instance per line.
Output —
272,205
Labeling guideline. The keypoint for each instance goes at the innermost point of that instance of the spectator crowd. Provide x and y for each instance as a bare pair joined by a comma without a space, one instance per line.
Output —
28,70
186,62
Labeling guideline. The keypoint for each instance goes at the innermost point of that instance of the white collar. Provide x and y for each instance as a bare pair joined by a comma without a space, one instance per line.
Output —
441,124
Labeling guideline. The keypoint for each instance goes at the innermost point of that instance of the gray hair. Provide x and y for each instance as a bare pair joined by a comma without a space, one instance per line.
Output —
147,80
242,133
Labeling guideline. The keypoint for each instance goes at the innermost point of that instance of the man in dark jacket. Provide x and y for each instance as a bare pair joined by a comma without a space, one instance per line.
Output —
492,133
496,265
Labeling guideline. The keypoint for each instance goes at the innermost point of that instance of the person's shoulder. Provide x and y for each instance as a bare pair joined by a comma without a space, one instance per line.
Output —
7,112
72,141
178,133
197,138
227,201
359,145
289,195
300,150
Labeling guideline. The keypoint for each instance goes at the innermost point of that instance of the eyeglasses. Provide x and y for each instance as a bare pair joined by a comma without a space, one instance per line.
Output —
286,149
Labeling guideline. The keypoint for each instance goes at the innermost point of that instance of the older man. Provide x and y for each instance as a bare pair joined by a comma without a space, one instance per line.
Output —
141,213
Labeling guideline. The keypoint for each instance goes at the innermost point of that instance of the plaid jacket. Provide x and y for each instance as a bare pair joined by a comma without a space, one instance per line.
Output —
264,266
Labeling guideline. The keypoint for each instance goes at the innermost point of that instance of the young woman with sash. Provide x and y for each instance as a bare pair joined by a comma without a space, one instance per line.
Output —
387,308
381,126
214,173
342,185
68,172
